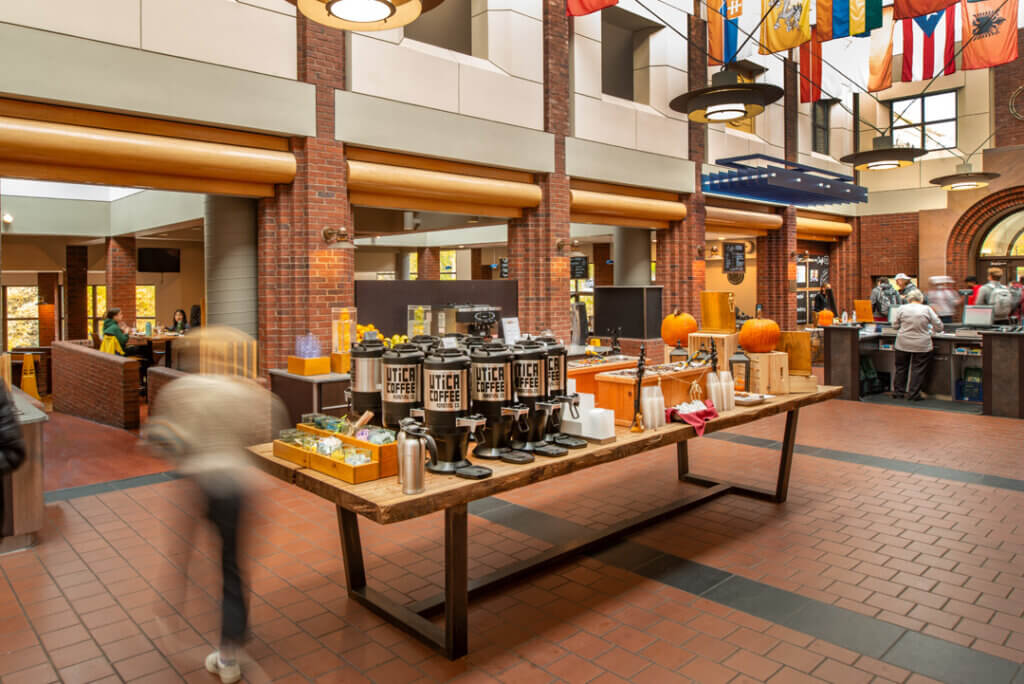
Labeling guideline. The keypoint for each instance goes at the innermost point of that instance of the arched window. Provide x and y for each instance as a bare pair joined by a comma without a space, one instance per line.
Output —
1005,238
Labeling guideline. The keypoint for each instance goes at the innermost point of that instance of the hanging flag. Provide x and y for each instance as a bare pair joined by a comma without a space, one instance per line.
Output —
577,8
723,30
908,9
787,26
841,18
810,68
880,62
989,32
928,45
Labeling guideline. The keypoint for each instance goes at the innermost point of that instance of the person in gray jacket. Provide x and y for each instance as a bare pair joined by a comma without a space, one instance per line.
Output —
914,323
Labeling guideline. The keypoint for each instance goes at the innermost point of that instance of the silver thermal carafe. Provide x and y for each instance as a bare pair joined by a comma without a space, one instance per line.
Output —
366,378
530,372
558,371
402,387
492,394
415,446
446,408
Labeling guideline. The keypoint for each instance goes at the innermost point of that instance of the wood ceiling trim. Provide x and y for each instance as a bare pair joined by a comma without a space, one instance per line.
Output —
431,164
410,203
622,221
595,186
403,181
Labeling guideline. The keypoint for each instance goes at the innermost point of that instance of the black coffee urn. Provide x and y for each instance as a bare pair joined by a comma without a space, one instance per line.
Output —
364,390
445,411
402,386
530,372
492,394
425,342
558,372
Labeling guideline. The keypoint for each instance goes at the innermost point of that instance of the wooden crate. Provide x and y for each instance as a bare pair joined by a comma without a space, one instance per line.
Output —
617,392
584,375
802,384
725,343
386,454
343,471
797,346
769,373
320,365
291,453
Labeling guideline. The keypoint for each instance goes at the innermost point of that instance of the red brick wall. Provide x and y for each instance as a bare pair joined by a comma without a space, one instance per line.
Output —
122,265
90,384
534,261
1009,77
428,263
655,348
76,271
960,258
888,245
776,270
604,273
47,284
844,267
301,279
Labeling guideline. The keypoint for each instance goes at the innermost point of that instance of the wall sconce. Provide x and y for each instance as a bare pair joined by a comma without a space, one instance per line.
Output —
700,251
8,219
562,243
337,238
751,246
714,250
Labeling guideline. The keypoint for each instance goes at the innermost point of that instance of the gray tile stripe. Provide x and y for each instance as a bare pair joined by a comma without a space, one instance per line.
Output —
105,487
938,472
935,658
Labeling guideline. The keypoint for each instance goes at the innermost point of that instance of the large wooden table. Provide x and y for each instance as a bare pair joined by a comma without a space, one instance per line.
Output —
148,340
383,502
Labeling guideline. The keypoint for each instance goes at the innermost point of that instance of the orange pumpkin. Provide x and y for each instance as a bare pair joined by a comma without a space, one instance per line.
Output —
825,318
759,335
677,326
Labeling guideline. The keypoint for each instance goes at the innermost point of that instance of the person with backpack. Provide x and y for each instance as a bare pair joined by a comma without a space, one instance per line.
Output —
883,298
1002,299
907,286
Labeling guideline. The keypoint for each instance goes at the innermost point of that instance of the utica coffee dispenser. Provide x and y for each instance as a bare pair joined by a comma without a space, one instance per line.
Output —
426,342
402,384
558,371
529,372
445,411
491,377
365,388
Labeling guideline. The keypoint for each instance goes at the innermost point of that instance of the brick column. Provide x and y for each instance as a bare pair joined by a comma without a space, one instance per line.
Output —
844,269
300,277
48,324
122,265
76,273
776,272
791,109
604,274
534,261
428,263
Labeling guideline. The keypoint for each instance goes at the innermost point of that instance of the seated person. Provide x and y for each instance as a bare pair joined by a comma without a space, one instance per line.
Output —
180,323
114,326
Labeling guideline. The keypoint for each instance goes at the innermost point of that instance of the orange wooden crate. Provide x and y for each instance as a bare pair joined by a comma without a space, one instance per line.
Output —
584,375
291,453
386,454
343,471
616,392
320,365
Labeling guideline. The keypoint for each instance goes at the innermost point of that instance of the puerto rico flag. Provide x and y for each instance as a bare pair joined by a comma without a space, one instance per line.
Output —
928,44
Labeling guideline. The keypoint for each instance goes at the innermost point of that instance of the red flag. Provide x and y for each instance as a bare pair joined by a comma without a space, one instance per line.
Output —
577,8
810,68
906,9
989,33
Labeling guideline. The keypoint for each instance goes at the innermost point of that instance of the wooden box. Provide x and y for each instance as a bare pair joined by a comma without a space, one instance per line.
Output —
725,343
797,346
769,373
341,362
291,453
320,365
385,454
343,471
802,384
717,312
584,375
617,392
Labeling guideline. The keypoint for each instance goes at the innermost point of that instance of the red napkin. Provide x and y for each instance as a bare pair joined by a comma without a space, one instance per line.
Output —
696,418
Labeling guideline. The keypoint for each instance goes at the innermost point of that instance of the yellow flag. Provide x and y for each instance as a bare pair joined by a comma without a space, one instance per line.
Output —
788,24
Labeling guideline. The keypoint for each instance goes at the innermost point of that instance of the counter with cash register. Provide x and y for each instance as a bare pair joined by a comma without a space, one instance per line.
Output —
973,360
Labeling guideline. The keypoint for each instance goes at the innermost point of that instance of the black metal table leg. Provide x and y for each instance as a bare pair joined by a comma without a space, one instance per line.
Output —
786,458
682,459
351,549
456,582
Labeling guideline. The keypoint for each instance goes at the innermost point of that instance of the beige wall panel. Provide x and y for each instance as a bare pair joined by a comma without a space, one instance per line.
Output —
530,8
231,263
901,201
279,6
227,33
177,290
587,66
494,96
663,84
660,135
398,72
608,122
515,43
111,21
153,208
610,164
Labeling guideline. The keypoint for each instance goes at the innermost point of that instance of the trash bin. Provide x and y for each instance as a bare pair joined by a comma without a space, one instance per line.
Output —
24,512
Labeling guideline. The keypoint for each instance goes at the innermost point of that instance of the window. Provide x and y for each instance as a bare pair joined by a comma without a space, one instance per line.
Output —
820,129
145,305
414,265
96,306
928,121
21,316
448,264
447,26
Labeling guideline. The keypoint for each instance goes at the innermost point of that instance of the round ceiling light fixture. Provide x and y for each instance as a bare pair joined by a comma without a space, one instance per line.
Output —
364,15
882,156
727,99
964,179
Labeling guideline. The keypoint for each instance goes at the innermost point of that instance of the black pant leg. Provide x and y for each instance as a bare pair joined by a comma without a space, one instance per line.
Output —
225,509
919,364
899,384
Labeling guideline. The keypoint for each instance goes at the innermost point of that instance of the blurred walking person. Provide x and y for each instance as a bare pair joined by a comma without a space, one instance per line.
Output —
943,298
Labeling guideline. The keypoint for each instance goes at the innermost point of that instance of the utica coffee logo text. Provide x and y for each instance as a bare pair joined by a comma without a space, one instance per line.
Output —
401,383
444,390
529,378
489,382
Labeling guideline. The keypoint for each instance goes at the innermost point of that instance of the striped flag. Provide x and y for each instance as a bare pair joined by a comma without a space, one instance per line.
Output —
577,8
880,61
928,45
723,30
908,9
810,68
991,27
841,18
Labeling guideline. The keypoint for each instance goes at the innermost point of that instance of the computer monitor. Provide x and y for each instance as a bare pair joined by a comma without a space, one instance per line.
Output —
979,316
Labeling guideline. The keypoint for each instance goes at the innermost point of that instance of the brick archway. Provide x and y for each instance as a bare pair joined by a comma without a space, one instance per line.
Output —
972,224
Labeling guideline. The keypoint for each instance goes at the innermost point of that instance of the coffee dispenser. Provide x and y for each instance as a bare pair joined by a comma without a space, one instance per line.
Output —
445,409
491,372
366,376
558,371
402,386
529,372
425,342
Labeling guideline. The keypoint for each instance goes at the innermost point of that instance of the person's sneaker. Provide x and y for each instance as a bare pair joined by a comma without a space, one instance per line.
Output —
229,673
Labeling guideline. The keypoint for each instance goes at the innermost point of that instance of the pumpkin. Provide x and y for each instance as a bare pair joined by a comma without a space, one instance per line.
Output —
676,327
759,335
825,318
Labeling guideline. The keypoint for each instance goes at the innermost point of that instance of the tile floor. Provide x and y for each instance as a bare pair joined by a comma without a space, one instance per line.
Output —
894,560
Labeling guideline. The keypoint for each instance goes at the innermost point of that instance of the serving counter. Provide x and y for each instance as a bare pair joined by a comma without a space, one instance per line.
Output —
24,514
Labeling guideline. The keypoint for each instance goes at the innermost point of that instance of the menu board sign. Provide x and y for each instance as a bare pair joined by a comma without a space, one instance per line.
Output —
578,267
503,267
734,257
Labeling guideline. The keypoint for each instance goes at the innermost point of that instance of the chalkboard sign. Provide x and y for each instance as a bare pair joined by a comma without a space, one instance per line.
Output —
503,267
578,267
734,257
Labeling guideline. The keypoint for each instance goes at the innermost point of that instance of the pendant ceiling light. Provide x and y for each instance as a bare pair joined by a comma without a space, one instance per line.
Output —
364,15
883,155
728,98
964,179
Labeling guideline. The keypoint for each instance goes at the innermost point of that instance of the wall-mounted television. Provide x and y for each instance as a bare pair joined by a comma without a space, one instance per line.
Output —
159,260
